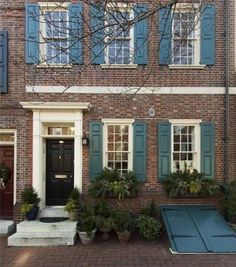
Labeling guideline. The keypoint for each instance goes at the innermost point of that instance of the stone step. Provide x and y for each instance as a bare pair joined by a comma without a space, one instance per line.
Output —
42,239
40,227
7,227
53,212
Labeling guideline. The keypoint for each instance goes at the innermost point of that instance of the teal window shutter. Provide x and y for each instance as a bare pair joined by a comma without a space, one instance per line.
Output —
3,62
97,34
165,31
208,35
140,35
76,33
140,150
164,149
207,149
32,33
95,150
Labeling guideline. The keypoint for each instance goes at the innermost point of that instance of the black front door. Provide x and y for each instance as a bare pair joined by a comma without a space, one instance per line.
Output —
59,171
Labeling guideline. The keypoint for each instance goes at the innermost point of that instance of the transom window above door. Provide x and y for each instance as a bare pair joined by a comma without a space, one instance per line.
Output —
54,37
119,38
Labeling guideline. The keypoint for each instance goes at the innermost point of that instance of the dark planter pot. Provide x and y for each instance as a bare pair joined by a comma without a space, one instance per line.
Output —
123,236
33,214
105,233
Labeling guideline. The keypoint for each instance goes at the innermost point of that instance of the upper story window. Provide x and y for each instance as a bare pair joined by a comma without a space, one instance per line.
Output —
185,36
119,37
54,37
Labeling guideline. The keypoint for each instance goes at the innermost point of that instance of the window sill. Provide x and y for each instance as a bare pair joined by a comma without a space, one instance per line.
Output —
52,66
194,67
119,66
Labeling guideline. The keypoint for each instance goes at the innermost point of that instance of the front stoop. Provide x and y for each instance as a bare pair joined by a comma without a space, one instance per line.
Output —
36,233
7,227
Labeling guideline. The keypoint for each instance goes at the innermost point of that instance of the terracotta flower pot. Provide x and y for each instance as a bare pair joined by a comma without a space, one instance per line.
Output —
74,215
105,233
123,236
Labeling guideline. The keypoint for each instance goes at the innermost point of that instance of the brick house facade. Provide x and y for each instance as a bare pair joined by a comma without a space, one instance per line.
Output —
184,95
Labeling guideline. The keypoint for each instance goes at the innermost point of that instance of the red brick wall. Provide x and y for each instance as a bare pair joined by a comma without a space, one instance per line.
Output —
205,107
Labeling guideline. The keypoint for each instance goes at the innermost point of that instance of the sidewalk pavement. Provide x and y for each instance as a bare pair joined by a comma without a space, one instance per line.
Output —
109,253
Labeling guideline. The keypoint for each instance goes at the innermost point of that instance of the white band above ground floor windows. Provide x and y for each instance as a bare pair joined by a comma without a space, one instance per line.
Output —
128,90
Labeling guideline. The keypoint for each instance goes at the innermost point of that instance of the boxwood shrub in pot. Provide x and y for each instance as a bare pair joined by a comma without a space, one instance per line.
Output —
29,207
104,219
73,204
148,227
86,226
123,225
230,201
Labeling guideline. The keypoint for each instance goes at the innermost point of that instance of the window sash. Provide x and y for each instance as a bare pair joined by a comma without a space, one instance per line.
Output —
194,36
58,56
122,156
195,151
120,57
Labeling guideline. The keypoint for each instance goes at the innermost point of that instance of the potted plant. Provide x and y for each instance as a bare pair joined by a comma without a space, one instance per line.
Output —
73,204
230,202
148,226
189,183
110,183
104,220
123,225
87,226
30,200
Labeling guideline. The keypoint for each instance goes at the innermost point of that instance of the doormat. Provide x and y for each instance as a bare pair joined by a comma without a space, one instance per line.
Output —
53,219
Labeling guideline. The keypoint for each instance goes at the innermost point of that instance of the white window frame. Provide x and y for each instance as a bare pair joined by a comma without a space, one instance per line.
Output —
181,8
126,7
107,122
187,122
50,6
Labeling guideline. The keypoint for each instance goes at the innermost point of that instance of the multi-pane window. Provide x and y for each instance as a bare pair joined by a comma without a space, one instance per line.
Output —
119,36
117,147
185,38
54,28
184,148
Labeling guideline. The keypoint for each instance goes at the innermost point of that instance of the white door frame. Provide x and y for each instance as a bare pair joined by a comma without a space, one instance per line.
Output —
55,113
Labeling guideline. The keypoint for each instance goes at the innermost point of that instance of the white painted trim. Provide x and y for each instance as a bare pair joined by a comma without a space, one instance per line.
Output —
54,4
119,66
14,131
41,119
185,121
188,122
129,90
186,66
118,121
55,105
128,122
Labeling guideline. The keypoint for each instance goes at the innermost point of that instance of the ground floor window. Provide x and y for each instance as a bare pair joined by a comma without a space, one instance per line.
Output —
185,146
118,138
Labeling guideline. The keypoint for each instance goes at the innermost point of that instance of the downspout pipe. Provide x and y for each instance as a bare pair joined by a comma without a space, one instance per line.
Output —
226,169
